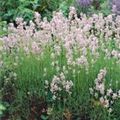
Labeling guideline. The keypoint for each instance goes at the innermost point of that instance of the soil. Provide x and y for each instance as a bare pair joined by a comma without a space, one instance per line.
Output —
8,97
37,109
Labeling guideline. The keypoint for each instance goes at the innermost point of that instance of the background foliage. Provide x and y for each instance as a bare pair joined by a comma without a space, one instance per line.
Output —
10,9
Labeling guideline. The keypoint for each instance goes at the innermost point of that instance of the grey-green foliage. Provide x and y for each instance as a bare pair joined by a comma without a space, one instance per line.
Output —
3,28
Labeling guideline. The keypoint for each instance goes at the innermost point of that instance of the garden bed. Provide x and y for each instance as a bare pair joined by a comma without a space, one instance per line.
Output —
63,69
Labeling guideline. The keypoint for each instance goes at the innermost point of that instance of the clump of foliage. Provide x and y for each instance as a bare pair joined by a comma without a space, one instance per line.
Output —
5,109
10,9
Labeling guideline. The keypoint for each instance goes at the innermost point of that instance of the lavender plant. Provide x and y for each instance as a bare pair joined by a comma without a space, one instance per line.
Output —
83,3
116,7
58,61
94,6
106,97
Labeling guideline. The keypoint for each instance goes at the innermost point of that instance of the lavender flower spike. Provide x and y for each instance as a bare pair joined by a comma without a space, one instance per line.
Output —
84,3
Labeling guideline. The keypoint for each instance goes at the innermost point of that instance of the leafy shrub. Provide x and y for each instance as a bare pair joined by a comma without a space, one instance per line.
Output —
10,9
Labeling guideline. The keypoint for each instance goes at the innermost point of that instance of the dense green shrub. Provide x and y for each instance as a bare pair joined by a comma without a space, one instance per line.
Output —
10,9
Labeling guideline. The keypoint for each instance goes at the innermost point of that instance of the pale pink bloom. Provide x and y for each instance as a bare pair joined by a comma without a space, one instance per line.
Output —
54,97
109,92
119,93
110,110
114,96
